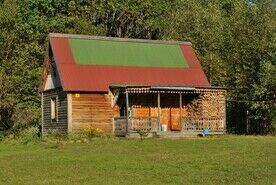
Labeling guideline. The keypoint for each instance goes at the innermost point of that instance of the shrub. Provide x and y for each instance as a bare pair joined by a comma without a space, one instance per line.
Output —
24,118
55,136
2,137
143,133
30,134
92,132
26,135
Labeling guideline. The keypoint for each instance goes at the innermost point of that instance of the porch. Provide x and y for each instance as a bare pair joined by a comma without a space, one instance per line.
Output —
151,125
164,110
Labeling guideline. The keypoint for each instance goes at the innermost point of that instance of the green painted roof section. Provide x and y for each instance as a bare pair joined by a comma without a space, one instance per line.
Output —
123,53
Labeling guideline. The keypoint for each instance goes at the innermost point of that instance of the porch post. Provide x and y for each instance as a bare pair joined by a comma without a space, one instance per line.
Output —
225,107
159,111
127,105
180,111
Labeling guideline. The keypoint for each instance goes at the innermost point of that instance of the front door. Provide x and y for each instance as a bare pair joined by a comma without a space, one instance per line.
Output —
171,117
175,119
170,111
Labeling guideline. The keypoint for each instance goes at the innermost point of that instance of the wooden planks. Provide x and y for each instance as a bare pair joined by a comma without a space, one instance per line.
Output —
146,105
94,110
61,123
172,107
69,115
207,108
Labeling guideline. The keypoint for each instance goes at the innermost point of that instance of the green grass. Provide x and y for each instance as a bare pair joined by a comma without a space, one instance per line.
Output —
214,160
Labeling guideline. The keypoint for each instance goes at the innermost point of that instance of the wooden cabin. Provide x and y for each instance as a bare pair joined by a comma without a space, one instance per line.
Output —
126,85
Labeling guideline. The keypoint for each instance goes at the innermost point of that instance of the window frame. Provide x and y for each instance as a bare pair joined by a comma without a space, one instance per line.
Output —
54,109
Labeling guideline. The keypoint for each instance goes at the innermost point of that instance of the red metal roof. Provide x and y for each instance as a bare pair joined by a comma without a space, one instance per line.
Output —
98,78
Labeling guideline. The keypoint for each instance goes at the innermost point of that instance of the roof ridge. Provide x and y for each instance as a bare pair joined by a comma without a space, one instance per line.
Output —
75,36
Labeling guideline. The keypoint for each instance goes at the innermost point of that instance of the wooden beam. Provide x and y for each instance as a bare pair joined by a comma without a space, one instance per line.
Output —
180,111
69,112
225,106
159,110
115,96
46,68
42,120
127,107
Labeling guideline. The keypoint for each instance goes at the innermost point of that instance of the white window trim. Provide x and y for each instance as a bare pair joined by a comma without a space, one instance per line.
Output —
54,109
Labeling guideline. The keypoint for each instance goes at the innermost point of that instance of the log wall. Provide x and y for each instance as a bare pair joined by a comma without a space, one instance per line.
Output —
61,122
94,110
76,111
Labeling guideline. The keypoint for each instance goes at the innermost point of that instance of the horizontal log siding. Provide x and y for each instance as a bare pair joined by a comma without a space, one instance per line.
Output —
94,110
145,105
61,124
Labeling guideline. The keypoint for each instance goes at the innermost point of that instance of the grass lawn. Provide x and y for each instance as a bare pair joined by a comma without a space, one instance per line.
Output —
214,160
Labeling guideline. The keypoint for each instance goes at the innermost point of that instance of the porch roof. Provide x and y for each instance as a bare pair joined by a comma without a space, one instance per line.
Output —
168,89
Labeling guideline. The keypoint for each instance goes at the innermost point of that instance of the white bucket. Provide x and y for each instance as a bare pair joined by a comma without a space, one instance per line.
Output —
164,128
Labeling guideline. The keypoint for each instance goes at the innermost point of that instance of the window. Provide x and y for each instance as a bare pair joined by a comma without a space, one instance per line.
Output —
54,109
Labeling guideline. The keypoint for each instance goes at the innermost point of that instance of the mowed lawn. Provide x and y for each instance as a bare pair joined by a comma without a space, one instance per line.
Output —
213,160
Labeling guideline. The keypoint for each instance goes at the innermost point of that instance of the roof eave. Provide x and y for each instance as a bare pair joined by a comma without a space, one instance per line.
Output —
119,39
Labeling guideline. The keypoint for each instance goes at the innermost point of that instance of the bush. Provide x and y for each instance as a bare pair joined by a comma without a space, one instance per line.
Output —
24,118
30,134
2,136
92,132
143,133
55,136
26,135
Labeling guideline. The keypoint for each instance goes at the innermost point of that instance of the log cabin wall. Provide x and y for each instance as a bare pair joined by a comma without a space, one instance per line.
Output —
143,105
92,109
61,122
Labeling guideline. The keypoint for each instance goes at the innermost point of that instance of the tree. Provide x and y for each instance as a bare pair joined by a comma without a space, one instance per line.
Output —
234,40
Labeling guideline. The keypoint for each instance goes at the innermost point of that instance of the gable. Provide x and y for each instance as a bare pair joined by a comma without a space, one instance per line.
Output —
52,79
92,64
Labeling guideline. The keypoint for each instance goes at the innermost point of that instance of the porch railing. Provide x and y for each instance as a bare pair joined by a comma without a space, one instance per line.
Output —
149,124
197,124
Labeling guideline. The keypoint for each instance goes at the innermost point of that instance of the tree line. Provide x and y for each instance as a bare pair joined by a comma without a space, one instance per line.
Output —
235,41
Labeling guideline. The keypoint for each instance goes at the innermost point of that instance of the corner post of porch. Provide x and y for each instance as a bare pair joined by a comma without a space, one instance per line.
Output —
225,107
159,110
180,110
127,113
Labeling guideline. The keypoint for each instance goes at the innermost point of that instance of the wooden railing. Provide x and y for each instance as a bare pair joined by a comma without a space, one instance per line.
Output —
119,125
149,124
197,124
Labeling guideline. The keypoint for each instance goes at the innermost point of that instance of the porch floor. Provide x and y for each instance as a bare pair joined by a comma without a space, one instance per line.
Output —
173,134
